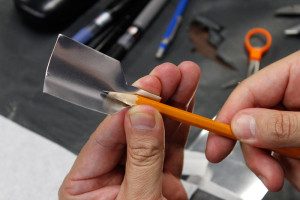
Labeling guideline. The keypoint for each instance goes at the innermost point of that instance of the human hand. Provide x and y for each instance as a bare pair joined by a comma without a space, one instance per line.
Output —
137,154
264,112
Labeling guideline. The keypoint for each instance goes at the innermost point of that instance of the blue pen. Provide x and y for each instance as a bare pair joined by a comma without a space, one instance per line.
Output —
172,28
116,9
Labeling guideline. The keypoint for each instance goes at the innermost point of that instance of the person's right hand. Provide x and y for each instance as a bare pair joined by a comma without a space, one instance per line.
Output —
264,112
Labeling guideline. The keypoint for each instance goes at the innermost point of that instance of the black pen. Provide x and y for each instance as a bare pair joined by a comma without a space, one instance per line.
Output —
100,37
103,42
116,9
128,39
108,41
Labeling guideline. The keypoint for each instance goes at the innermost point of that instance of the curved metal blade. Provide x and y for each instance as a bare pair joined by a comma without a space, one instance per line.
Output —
78,74
289,10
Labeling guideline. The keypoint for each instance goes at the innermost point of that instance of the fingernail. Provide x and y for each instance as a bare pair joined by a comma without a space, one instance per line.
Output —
263,179
244,127
142,120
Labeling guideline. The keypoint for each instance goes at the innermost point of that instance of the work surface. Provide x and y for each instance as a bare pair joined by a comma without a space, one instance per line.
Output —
25,53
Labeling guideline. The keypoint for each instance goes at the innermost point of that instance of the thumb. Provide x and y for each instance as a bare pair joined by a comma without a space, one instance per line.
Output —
145,154
267,128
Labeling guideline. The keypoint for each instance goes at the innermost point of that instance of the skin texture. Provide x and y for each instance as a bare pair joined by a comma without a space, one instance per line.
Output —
264,112
137,153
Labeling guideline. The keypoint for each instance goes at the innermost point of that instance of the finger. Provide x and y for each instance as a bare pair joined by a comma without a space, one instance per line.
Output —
174,152
168,80
218,147
177,133
150,84
266,88
178,85
106,193
267,128
269,87
105,147
266,168
190,75
173,188
145,154
162,81
291,169
99,156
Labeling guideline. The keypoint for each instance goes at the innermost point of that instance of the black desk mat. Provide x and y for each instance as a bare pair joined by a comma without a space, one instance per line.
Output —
24,53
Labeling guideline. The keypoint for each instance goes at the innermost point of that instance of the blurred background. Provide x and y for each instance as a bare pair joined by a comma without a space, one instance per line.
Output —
211,34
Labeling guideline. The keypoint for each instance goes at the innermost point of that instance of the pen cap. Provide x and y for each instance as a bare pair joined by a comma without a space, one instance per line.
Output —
148,13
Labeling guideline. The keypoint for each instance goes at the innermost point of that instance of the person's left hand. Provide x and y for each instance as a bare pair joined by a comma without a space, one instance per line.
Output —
136,154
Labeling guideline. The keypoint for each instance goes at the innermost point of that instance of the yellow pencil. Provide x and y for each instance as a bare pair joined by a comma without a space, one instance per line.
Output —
191,119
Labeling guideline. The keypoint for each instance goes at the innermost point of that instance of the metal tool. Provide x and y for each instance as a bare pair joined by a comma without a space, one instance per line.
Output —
290,10
294,30
79,74
255,53
218,179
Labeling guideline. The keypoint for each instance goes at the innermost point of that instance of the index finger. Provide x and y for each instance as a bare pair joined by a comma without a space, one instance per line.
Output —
278,83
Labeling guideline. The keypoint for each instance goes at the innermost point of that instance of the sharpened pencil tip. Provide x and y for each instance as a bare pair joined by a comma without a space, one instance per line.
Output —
105,92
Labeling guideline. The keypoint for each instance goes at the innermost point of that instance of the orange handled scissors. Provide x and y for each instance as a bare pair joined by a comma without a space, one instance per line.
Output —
255,53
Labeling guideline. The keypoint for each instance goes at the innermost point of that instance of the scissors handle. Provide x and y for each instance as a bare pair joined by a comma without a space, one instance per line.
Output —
255,53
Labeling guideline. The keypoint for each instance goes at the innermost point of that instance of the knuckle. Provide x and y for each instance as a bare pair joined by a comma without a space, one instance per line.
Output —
144,153
284,126
107,143
65,192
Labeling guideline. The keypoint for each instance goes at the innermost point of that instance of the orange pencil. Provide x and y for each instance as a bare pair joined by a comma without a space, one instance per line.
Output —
191,119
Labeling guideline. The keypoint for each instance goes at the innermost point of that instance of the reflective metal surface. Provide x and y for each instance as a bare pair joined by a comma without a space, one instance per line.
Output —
79,74
253,67
230,179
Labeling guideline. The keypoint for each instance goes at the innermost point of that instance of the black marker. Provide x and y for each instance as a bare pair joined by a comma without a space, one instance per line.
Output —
128,39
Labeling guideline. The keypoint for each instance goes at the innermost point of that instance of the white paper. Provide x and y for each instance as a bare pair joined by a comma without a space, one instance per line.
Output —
195,163
190,188
31,166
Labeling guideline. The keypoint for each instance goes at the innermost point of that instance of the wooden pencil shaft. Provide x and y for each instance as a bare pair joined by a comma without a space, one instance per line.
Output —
176,114
205,123
192,119
189,118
